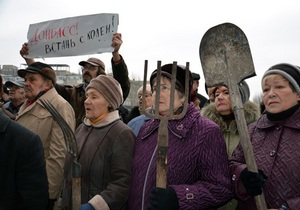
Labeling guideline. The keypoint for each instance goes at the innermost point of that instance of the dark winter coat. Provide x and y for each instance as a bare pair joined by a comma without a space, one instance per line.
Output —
230,132
23,178
105,155
197,163
75,95
276,147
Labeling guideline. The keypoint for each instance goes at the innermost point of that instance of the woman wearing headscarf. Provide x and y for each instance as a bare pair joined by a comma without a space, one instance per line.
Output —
276,145
105,146
197,164
222,114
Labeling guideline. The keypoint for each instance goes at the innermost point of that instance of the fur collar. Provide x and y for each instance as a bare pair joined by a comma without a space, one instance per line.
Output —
251,112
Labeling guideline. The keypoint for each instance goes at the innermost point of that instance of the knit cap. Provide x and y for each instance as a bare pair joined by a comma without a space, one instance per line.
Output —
109,88
288,71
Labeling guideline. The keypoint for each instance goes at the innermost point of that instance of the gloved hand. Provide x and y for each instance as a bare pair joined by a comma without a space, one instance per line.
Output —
86,206
163,199
253,181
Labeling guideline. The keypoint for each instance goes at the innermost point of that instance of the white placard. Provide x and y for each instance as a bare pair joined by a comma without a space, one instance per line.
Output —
80,35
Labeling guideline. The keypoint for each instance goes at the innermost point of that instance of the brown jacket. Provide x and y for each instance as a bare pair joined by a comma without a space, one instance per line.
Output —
105,155
76,94
37,119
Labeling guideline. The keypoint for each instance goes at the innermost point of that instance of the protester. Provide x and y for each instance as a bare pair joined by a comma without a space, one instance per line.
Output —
276,145
39,84
4,97
202,99
222,114
23,178
197,166
106,150
210,93
17,98
91,68
136,123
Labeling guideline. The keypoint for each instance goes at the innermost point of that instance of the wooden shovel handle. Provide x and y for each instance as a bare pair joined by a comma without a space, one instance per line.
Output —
238,110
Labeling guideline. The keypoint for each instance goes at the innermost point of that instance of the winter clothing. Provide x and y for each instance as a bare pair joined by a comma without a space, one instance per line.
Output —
230,131
276,148
12,108
288,71
94,62
136,123
76,95
109,88
86,206
37,119
105,155
23,178
163,199
202,99
16,83
39,68
197,163
166,70
253,181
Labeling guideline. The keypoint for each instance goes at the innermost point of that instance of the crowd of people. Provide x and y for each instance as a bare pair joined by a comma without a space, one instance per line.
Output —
204,161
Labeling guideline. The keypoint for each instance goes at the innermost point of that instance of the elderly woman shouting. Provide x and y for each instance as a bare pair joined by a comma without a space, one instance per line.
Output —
197,165
105,146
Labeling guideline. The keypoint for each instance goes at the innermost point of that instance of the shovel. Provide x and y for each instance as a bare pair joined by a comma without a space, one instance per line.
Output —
226,60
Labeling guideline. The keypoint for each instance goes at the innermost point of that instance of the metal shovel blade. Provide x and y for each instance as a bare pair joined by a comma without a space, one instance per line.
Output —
225,55
226,60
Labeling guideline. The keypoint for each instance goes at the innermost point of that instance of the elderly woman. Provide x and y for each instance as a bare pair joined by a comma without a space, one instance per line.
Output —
197,165
222,114
105,146
276,144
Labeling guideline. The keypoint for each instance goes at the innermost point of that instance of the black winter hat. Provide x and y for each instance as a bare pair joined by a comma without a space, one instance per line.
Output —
166,70
288,71
39,68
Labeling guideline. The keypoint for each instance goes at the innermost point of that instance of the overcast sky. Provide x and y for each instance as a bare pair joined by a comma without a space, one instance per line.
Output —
166,30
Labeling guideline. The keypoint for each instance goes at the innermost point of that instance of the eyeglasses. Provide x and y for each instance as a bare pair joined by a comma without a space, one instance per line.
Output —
91,68
163,88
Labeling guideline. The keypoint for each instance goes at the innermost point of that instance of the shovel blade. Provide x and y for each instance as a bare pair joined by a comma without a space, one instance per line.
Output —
225,55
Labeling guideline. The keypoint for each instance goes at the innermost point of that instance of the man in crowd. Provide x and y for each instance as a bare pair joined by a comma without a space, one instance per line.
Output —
201,98
17,98
91,68
136,123
39,84
23,178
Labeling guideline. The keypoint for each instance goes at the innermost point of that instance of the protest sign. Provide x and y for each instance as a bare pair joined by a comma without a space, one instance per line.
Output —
81,35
